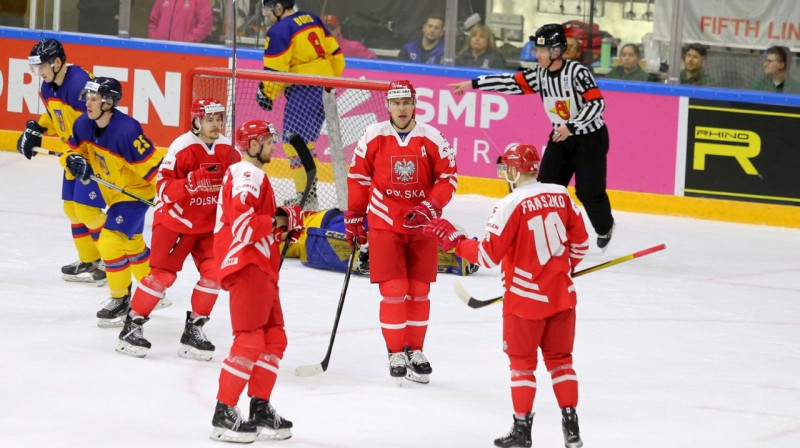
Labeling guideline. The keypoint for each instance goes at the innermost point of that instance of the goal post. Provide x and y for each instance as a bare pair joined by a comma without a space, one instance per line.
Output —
329,113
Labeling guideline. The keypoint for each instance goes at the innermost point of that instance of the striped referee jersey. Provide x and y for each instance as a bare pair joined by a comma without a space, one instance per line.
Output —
570,95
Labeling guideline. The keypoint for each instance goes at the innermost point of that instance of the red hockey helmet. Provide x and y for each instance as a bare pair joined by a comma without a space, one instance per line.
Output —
206,106
401,89
525,158
253,130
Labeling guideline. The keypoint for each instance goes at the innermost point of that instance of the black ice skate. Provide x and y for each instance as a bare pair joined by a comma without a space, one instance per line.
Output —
397,366
569,424
603,240
194,343
269,424
418,368
131,338
114,311
229,426
92,272
519,435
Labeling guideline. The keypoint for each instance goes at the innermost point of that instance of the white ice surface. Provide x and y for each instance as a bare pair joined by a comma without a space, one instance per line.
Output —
694,346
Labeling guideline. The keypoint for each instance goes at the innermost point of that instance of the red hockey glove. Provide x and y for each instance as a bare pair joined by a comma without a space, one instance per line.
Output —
419,215
294,221
354,228
206,179
444,232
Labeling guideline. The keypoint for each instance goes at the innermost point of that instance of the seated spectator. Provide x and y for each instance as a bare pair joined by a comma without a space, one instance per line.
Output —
181,20
694,61
98,17
428,49
776,67
527,54
629,68
350,48
480,50
571,53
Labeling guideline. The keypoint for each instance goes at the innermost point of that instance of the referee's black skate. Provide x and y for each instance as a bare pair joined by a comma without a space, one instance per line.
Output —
519,435
228,425
131,338
569,425
114,311
418,368
270,425
194,342
91,272
603,240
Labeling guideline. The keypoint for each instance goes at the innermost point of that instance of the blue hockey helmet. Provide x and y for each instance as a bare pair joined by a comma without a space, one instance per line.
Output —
109,89
46,51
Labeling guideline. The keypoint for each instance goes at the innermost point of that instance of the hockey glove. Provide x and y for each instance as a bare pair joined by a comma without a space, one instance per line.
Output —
444,232
354,228
262,99
79,167
31,137
294,221
419,215
206,179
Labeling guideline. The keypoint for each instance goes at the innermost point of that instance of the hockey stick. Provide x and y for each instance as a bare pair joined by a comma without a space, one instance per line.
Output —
476,303
101,181
233,72
310,168
316,369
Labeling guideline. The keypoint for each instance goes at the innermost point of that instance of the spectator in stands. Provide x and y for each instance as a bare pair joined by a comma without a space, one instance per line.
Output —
428,49
629,68
98,17
12,13
571,52
181,20
350,48
776,72
694,61
480,50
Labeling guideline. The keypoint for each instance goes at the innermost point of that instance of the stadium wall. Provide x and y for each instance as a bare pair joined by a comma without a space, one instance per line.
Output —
701,152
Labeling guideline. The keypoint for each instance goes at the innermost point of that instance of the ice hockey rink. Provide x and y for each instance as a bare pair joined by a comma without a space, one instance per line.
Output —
694,346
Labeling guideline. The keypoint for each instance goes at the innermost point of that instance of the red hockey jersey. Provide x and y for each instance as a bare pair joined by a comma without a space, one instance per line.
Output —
243,234
391,174
539,235
176,209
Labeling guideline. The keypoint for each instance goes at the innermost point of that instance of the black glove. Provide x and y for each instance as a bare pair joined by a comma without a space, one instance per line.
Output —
79,167
262,99
30,138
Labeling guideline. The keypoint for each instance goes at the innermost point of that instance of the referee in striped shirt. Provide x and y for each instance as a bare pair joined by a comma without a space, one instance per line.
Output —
579,138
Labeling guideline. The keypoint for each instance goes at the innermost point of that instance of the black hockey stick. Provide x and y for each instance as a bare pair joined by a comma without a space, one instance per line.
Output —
316,369
101,181
472,302
311,175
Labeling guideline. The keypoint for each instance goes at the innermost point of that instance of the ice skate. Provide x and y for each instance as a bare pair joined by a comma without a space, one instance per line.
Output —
569,425
418,368
397,366
131,338
230,427
92,272
603,240
519,435
163,303
269,424
194,343
113,312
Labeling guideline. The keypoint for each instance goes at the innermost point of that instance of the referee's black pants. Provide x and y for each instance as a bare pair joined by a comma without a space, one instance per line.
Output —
585,157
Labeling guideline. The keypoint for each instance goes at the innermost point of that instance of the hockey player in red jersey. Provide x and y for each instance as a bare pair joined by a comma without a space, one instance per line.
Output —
539,236
188,183
246,238
405,172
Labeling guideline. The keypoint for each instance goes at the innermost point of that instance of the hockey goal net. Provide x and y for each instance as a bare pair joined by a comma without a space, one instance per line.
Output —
330,114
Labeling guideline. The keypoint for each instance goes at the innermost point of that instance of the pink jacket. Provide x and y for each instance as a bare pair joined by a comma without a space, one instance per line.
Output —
180,20
354,48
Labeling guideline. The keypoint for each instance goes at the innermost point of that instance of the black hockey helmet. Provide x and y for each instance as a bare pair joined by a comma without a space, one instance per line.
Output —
287,4
108,88
46,51
551,35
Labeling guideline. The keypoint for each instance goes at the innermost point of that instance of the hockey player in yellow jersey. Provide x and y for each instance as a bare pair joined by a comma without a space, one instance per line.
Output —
110,145
83,204
298,42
